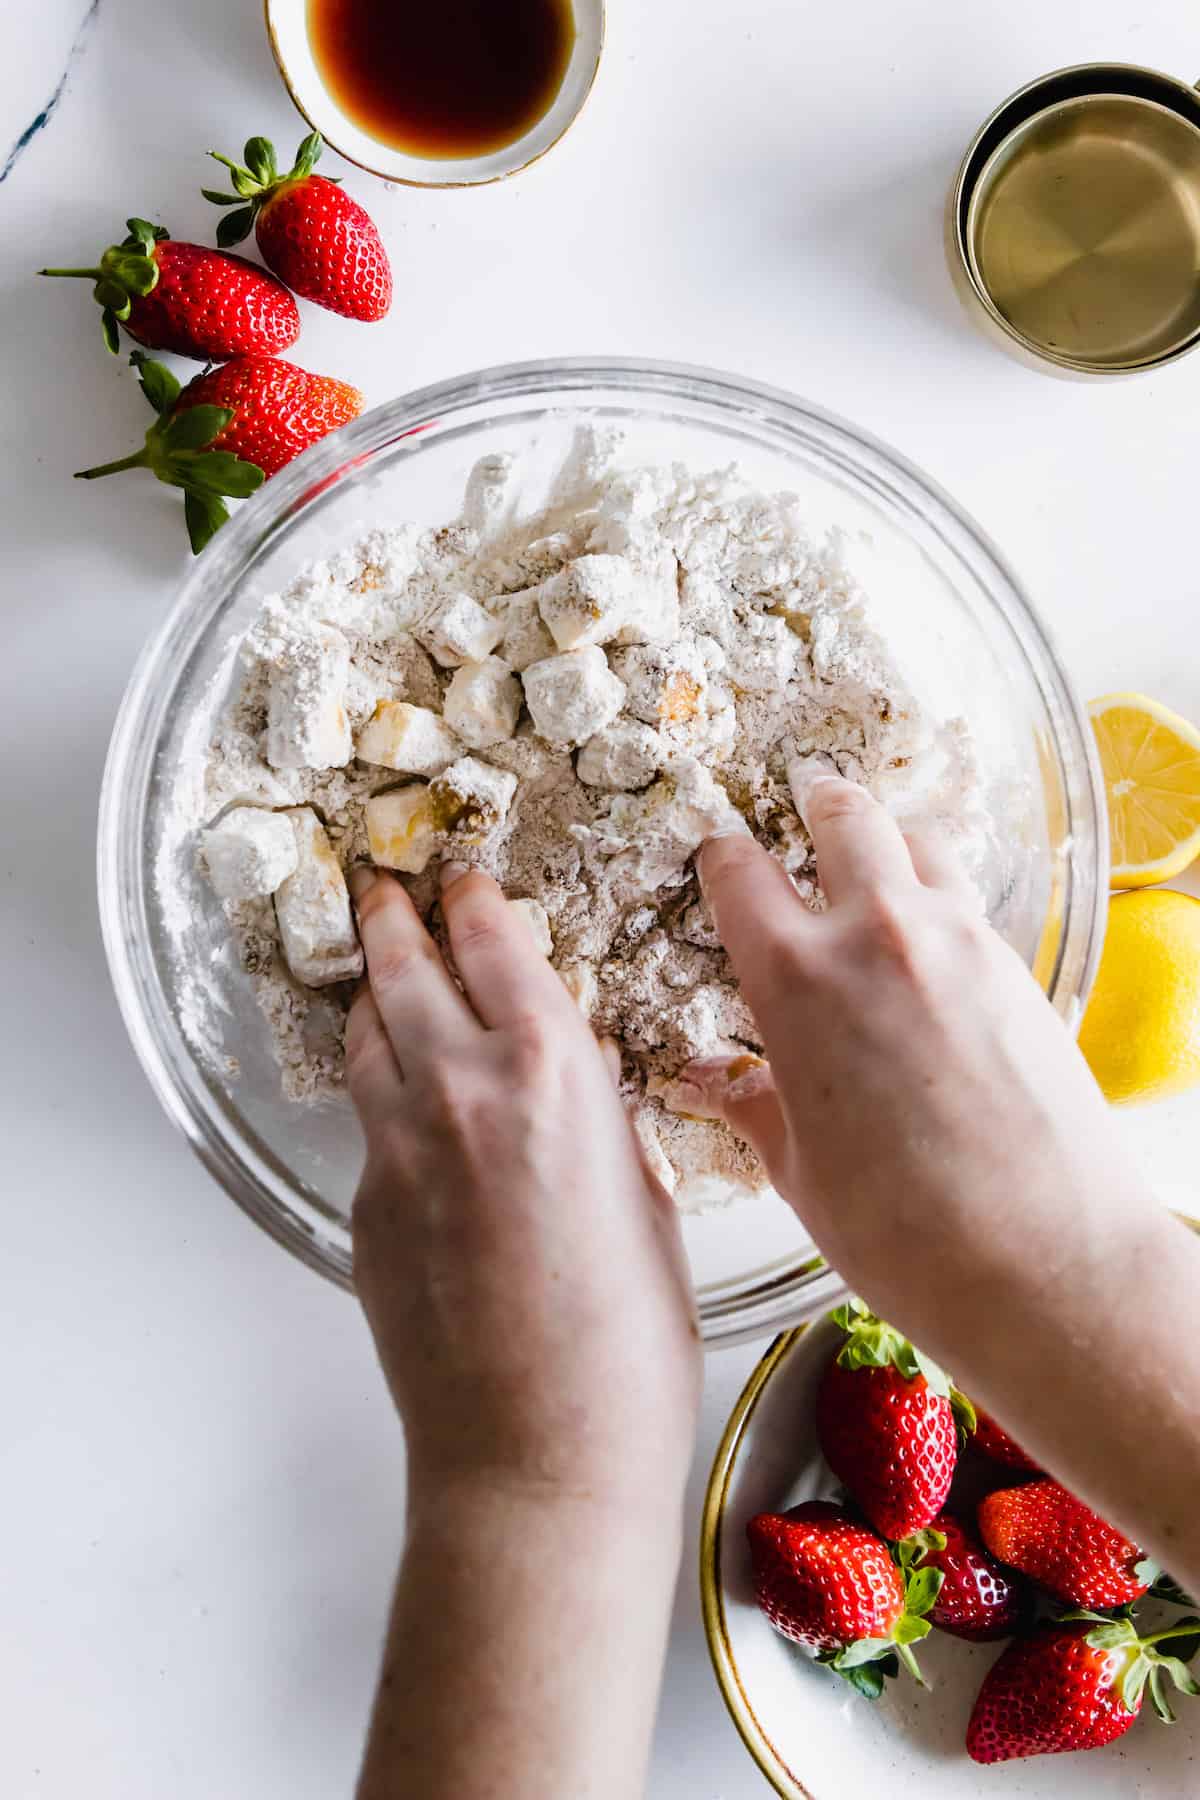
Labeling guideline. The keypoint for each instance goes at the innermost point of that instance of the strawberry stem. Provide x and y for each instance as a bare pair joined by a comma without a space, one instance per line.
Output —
83,274
904,1652
137,461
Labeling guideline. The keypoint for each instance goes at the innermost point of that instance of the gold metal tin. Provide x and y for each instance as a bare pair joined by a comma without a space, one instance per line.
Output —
1073,227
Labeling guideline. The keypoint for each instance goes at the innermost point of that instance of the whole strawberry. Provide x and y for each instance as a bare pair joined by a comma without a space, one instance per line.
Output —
314,236
229,429
278,409
978,1600
188,299
1074,1686
887,1422
826,1582
992,1441
1057,1541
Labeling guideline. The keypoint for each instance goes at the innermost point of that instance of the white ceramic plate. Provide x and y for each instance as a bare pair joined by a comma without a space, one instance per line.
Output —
812,1737
287,29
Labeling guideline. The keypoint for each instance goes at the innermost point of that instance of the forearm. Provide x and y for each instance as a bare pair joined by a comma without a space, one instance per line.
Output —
525,1650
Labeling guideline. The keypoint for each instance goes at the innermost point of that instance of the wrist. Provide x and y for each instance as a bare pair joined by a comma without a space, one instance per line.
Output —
444,1504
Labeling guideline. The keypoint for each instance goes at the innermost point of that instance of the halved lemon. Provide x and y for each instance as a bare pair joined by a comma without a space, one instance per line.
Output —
1151,763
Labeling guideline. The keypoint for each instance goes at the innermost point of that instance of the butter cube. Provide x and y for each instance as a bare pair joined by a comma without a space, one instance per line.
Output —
762,654
312,906
410,738
526,639
400,828
469,800
651,835
626,754
483,702
587,602
653,615
581,983
573,696
533,916
459,630
307,727
665,683
249,852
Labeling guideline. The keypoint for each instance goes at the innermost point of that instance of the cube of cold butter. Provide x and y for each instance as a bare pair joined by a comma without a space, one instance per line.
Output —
573,696
469,800
249,852
400,828
626,754
483,702
312,906
307,727
526,639
410,738
587,602
665,683
533,916
459,630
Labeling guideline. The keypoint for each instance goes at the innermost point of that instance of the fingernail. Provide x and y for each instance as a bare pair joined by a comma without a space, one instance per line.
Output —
805,773
360,881
450,872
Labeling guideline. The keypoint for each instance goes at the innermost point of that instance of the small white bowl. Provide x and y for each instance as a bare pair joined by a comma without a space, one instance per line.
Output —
810,1735
287,30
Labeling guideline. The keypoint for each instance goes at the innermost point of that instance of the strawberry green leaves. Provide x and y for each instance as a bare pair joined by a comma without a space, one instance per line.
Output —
1163,1586
1146,1667
866,1663
177,451
255,180
127,271
871,1344
866,1678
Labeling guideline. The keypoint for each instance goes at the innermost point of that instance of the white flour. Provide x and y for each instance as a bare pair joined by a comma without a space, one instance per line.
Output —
702,640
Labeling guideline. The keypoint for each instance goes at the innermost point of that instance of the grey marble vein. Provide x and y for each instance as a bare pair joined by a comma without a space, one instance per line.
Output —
40,121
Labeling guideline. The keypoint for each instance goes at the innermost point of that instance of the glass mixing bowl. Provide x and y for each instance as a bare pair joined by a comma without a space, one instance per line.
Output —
967,639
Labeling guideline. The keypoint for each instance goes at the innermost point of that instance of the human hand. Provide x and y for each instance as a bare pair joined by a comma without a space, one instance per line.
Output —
923,1109
521,1269
927,1114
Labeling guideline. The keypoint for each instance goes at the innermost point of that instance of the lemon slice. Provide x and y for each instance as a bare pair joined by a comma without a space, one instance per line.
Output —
1151,762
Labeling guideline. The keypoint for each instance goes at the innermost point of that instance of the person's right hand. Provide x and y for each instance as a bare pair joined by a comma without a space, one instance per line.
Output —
924,1109
927,1114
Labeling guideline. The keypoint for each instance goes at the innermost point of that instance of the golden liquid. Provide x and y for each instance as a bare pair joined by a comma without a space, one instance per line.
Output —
1086,231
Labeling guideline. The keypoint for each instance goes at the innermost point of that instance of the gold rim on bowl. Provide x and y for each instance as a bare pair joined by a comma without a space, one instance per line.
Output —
770,1764
411,181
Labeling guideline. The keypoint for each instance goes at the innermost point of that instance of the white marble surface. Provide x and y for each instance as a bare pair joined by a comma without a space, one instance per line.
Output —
201,1477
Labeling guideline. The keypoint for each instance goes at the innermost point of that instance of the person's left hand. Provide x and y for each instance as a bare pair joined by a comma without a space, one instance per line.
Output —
521,1269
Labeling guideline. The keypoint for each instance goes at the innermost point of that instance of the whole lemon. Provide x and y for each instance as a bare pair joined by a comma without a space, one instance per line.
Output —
1141,1031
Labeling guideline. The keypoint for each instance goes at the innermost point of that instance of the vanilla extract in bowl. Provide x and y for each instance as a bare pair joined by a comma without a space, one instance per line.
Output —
443,79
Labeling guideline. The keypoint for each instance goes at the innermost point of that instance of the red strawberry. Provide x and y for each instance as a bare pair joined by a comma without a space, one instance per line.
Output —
278,410
1060,1543
1074,1686
314,236
993,1441
978,1600
230,427
828,1583
887,1425
188,299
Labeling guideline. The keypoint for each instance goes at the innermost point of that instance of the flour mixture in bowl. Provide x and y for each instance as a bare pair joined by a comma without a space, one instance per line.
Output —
571,701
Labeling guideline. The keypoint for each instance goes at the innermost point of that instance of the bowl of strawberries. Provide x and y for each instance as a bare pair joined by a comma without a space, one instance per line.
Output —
897,1599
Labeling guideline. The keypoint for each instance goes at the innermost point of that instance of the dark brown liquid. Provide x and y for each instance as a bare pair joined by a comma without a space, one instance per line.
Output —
443,78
